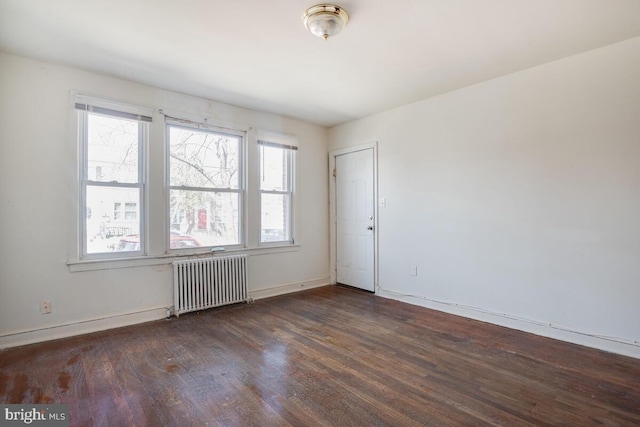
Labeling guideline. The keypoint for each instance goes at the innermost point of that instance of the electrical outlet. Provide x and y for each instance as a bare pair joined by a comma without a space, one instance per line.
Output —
45,307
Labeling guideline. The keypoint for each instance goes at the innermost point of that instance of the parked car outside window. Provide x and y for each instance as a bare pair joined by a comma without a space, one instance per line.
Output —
177,240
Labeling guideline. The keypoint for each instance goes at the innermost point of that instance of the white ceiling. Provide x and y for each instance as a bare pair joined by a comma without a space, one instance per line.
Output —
257,54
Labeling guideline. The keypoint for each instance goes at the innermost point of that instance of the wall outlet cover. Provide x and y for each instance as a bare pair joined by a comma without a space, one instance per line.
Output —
45,307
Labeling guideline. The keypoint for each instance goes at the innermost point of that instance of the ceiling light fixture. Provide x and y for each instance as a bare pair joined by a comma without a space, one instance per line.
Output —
325,20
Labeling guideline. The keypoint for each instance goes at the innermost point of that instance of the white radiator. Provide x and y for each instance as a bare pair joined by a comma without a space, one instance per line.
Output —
209,282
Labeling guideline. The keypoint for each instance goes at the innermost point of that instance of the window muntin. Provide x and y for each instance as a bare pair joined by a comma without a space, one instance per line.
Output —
112,185
205,187
276,192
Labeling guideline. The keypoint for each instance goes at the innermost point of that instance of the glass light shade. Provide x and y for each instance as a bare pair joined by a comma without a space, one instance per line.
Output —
324,25
325,20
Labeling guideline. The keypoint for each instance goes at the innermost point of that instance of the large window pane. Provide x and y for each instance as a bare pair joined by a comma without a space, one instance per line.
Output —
275,210
274,169
112,149
203,218
110,225
203,159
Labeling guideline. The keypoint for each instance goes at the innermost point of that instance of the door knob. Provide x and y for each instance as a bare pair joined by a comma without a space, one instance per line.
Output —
370,227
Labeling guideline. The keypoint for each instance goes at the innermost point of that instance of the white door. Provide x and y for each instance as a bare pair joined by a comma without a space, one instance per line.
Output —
354,219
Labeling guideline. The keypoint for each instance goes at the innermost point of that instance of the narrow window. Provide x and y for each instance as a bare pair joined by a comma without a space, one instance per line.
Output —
112,180
205,187
276,192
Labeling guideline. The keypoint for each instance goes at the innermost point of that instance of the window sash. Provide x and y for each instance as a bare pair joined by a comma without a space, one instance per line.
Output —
203,128
240,191
289,150
86,183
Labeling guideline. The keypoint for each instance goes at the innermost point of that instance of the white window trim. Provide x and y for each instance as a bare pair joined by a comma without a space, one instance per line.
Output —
167,259
241,191
86,104
290,143
155,192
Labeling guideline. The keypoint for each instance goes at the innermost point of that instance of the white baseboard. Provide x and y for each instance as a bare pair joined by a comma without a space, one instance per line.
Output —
288,288
81,327
610,345
14,339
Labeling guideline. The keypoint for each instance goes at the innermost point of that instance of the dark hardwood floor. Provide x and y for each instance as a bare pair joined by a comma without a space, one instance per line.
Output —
330,356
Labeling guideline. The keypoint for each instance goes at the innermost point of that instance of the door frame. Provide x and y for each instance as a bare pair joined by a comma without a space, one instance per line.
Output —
333,236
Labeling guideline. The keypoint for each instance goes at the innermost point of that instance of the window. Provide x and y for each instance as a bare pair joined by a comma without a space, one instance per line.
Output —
196,195
128,211
276,191
206,188
112,142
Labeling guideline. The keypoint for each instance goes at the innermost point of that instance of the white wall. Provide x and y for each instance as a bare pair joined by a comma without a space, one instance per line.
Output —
38,206
518,198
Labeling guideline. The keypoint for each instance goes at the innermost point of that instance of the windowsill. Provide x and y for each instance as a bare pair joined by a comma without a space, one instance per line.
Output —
141,261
